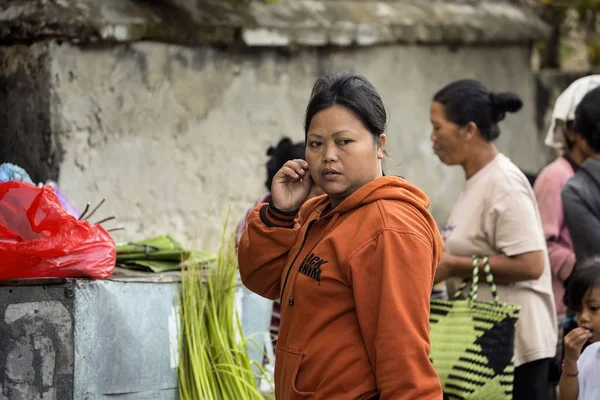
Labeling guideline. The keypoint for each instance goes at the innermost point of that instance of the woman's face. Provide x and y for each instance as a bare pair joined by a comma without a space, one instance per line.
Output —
579,144
448,139
341,153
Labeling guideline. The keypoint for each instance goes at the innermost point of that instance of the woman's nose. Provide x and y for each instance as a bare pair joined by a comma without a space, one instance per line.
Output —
330,154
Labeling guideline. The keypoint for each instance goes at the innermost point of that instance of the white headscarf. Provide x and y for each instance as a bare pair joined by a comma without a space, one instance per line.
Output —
564,109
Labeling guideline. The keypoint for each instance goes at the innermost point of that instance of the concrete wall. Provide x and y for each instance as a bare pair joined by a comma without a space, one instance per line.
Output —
36,337
89,340
173,136
27,137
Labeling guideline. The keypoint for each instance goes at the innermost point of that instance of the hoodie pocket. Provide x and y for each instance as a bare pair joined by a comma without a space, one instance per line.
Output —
286,371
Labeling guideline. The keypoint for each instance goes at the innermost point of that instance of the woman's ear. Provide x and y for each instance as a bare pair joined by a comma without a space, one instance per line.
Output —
381,146
470,130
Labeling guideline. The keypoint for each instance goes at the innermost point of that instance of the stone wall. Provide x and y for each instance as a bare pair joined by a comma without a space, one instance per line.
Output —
173,136
27,137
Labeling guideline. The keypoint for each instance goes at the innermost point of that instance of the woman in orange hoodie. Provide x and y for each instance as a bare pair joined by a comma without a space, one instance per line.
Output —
354,268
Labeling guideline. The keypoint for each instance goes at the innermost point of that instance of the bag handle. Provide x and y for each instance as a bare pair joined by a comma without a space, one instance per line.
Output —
489,279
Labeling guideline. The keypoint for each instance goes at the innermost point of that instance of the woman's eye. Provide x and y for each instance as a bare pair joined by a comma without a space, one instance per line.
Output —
345,141
315,144
594,309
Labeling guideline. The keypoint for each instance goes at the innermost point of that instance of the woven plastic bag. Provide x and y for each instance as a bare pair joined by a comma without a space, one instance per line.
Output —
38,238
472,342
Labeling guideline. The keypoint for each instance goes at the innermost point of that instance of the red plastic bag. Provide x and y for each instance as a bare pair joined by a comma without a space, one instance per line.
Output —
38,238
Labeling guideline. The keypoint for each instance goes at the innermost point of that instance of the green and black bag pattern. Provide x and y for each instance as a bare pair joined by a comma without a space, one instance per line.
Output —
472,341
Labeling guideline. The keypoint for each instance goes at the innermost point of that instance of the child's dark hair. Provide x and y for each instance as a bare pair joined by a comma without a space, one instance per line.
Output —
467,100
284,152
585,277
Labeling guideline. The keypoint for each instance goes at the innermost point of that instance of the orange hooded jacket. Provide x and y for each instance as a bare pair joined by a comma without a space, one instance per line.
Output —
355,284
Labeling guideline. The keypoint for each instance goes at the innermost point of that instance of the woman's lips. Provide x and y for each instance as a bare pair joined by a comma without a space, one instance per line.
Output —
330,174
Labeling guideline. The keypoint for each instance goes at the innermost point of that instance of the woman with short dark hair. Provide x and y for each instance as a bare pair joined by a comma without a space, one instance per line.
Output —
354,268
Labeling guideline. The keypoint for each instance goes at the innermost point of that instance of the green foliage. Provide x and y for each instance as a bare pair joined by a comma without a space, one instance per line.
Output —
556,13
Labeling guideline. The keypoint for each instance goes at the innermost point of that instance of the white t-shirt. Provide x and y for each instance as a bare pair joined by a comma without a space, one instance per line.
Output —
588,366
497,213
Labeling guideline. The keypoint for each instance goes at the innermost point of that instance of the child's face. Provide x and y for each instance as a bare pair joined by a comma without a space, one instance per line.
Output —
589,315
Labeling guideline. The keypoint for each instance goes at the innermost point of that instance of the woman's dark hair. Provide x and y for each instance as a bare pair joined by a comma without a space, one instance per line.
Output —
568,128
587,119
468,100
285,151
585,277
353,92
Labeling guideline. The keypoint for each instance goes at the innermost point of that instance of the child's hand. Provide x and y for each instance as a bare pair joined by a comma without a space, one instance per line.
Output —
574,341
